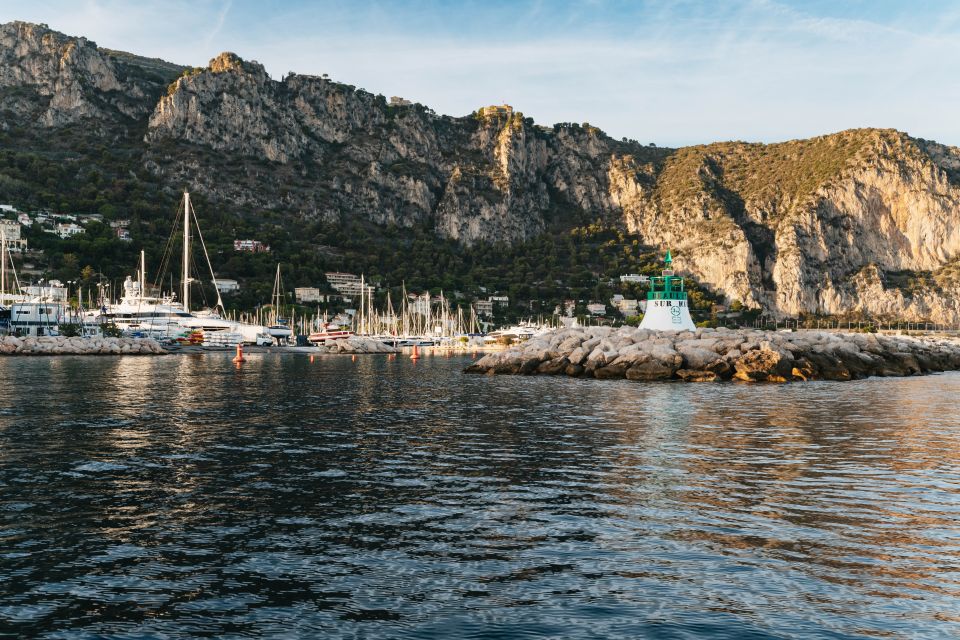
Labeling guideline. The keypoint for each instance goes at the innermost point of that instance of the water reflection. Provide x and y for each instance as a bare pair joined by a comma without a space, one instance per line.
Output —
382,498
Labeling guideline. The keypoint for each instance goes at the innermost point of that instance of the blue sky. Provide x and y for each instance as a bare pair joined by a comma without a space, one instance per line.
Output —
672,73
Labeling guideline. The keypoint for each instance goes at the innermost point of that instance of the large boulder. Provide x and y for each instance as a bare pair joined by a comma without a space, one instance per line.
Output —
696,357
554,366
767,364
827,366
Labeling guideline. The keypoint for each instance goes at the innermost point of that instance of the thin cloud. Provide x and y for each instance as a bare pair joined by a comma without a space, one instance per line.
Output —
221,18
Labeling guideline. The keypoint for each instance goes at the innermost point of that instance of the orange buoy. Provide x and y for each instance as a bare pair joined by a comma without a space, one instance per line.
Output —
239,357
311,358
416,353
354,358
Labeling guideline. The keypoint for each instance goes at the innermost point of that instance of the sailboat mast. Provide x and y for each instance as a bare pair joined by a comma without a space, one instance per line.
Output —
361,323
3,264
143,273
186,251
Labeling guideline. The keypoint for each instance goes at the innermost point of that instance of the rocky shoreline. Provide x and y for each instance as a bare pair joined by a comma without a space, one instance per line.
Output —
707,355
60,345
357,345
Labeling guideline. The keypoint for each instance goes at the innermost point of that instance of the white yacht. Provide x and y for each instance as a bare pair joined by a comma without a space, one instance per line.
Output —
150,314
517,333
155,316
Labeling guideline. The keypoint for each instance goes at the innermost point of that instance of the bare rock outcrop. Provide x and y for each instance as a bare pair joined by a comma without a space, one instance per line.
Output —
55,80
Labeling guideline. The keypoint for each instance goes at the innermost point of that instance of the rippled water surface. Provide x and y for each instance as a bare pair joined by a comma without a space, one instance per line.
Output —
185,497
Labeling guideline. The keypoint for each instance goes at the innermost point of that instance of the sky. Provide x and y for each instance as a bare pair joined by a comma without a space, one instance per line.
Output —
670,73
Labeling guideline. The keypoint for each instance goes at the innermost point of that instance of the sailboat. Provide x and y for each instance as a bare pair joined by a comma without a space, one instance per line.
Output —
143,310
280,327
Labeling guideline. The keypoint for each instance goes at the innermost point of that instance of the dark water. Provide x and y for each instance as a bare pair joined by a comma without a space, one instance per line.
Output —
183,497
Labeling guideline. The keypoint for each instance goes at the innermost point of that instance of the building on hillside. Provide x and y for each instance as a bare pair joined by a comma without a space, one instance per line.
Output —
496,110
307,294
626,306
634,278
596,308
483,308
397,101
8,208
123,234
346,283
227,285
500,301
68,229
253,246
11,233
118,224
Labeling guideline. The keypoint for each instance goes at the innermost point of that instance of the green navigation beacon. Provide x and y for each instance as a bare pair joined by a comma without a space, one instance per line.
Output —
667,307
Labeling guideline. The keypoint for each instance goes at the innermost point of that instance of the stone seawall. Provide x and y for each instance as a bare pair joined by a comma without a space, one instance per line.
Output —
720,354
59,345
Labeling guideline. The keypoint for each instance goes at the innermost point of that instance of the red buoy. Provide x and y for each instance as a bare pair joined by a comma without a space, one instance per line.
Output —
239,357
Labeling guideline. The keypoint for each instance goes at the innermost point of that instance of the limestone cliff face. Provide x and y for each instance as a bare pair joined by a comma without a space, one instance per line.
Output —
830,225
486,177
55,80
858,221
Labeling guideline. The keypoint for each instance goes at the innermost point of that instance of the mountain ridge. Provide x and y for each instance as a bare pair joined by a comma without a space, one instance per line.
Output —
824,225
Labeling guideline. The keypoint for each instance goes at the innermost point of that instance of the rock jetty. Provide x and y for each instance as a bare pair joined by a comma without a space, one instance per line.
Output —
60,345
357,344
706,355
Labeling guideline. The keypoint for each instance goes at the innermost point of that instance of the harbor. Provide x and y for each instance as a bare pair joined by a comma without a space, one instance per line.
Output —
145,312
481,321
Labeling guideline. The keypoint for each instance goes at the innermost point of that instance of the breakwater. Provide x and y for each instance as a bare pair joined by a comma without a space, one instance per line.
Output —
720,354
356,345
60,345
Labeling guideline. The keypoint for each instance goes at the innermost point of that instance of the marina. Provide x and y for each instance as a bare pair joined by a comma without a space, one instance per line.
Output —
145,311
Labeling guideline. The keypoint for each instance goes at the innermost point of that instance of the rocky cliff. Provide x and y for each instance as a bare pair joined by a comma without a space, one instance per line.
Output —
53,80
345,152
859,221
863,220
